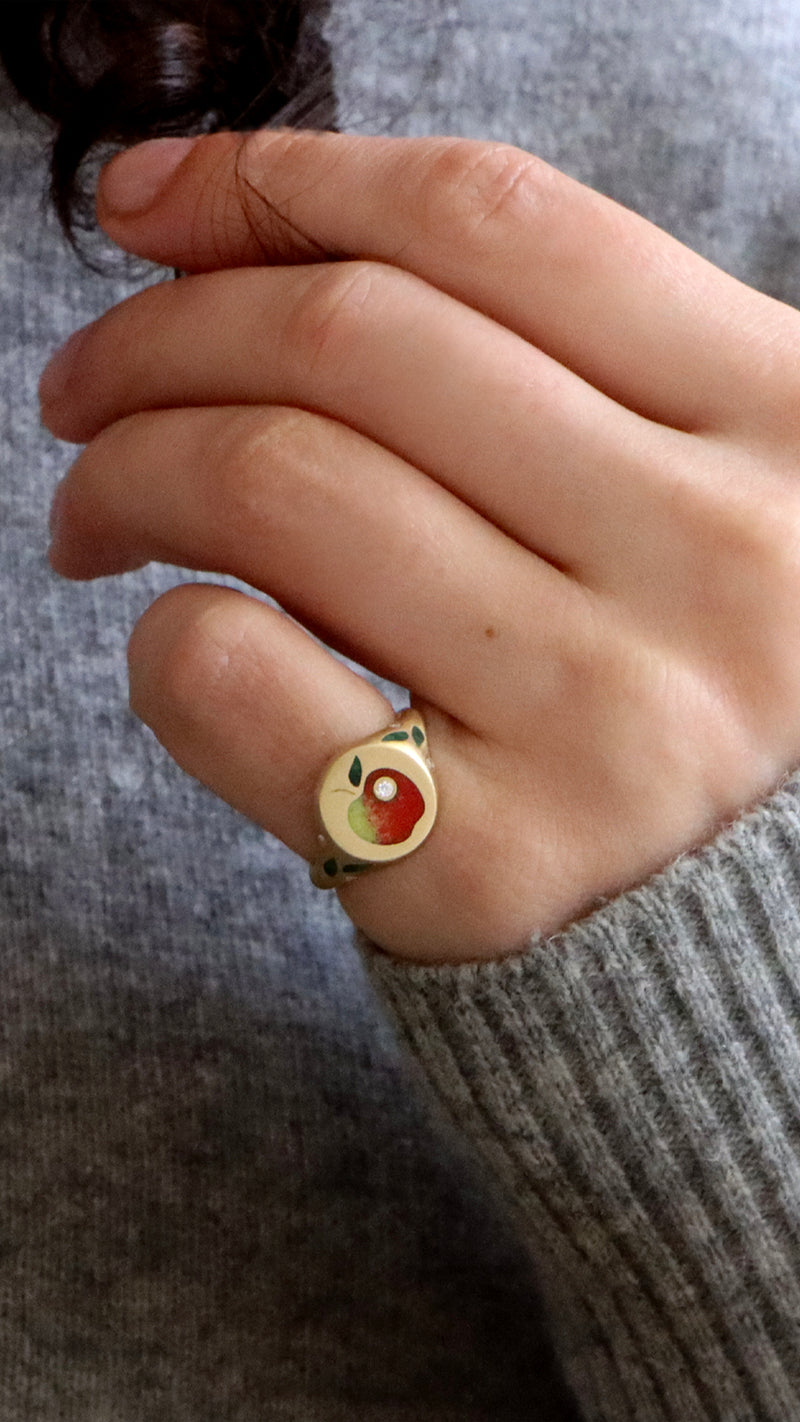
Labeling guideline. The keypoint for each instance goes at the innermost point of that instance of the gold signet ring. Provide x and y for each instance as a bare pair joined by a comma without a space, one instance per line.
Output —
376,803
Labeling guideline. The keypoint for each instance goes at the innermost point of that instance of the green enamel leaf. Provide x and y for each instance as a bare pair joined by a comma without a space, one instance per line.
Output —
396,736
356,772
419,736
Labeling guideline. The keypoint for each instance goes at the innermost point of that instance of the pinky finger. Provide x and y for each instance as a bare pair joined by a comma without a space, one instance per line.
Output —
248,703
253,707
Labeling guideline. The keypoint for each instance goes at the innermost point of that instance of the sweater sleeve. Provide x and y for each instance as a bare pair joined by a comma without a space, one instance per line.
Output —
633,1086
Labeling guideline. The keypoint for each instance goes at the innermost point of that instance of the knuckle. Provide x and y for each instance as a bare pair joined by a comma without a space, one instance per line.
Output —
756,538
253,456
743,591
178,647
267,165
265,156
467,184
329,314
764,545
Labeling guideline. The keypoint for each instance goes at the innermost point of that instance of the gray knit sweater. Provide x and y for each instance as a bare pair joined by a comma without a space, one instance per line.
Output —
633,1085
226,1193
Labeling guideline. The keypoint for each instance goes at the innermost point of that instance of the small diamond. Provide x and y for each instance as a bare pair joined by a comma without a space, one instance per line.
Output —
385,788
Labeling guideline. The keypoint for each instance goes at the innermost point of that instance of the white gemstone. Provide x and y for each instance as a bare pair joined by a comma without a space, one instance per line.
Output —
385,788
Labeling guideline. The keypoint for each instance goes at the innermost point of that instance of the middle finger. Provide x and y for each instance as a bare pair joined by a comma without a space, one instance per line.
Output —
527,443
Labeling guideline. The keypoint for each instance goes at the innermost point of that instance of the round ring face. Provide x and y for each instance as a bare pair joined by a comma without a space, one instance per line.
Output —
377,802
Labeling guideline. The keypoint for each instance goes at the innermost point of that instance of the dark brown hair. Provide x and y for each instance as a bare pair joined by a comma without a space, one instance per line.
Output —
113,72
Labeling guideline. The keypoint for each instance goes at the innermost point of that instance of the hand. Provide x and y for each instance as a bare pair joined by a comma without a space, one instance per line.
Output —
495,437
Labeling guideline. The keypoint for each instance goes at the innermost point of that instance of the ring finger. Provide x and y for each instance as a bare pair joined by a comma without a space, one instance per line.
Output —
350,539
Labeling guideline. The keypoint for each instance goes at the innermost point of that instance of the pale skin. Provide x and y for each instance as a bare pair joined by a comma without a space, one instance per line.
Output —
499,440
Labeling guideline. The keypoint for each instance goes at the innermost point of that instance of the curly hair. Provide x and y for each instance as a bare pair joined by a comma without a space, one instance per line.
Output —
113,72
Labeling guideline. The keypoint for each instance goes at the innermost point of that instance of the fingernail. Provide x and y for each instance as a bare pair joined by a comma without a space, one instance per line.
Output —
132,181
56,521
56,510
56,373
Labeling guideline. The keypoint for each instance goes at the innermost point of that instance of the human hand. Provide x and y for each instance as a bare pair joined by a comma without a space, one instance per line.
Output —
515,449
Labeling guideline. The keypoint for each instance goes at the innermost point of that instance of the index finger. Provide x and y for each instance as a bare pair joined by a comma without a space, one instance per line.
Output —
595,286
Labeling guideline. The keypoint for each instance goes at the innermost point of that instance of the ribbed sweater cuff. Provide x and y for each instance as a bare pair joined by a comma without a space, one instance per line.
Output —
633,1084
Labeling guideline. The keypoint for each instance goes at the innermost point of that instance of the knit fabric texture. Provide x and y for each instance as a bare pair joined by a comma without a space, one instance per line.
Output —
633,1085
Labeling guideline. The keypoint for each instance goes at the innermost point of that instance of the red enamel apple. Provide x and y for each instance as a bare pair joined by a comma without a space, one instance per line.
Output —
388,810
